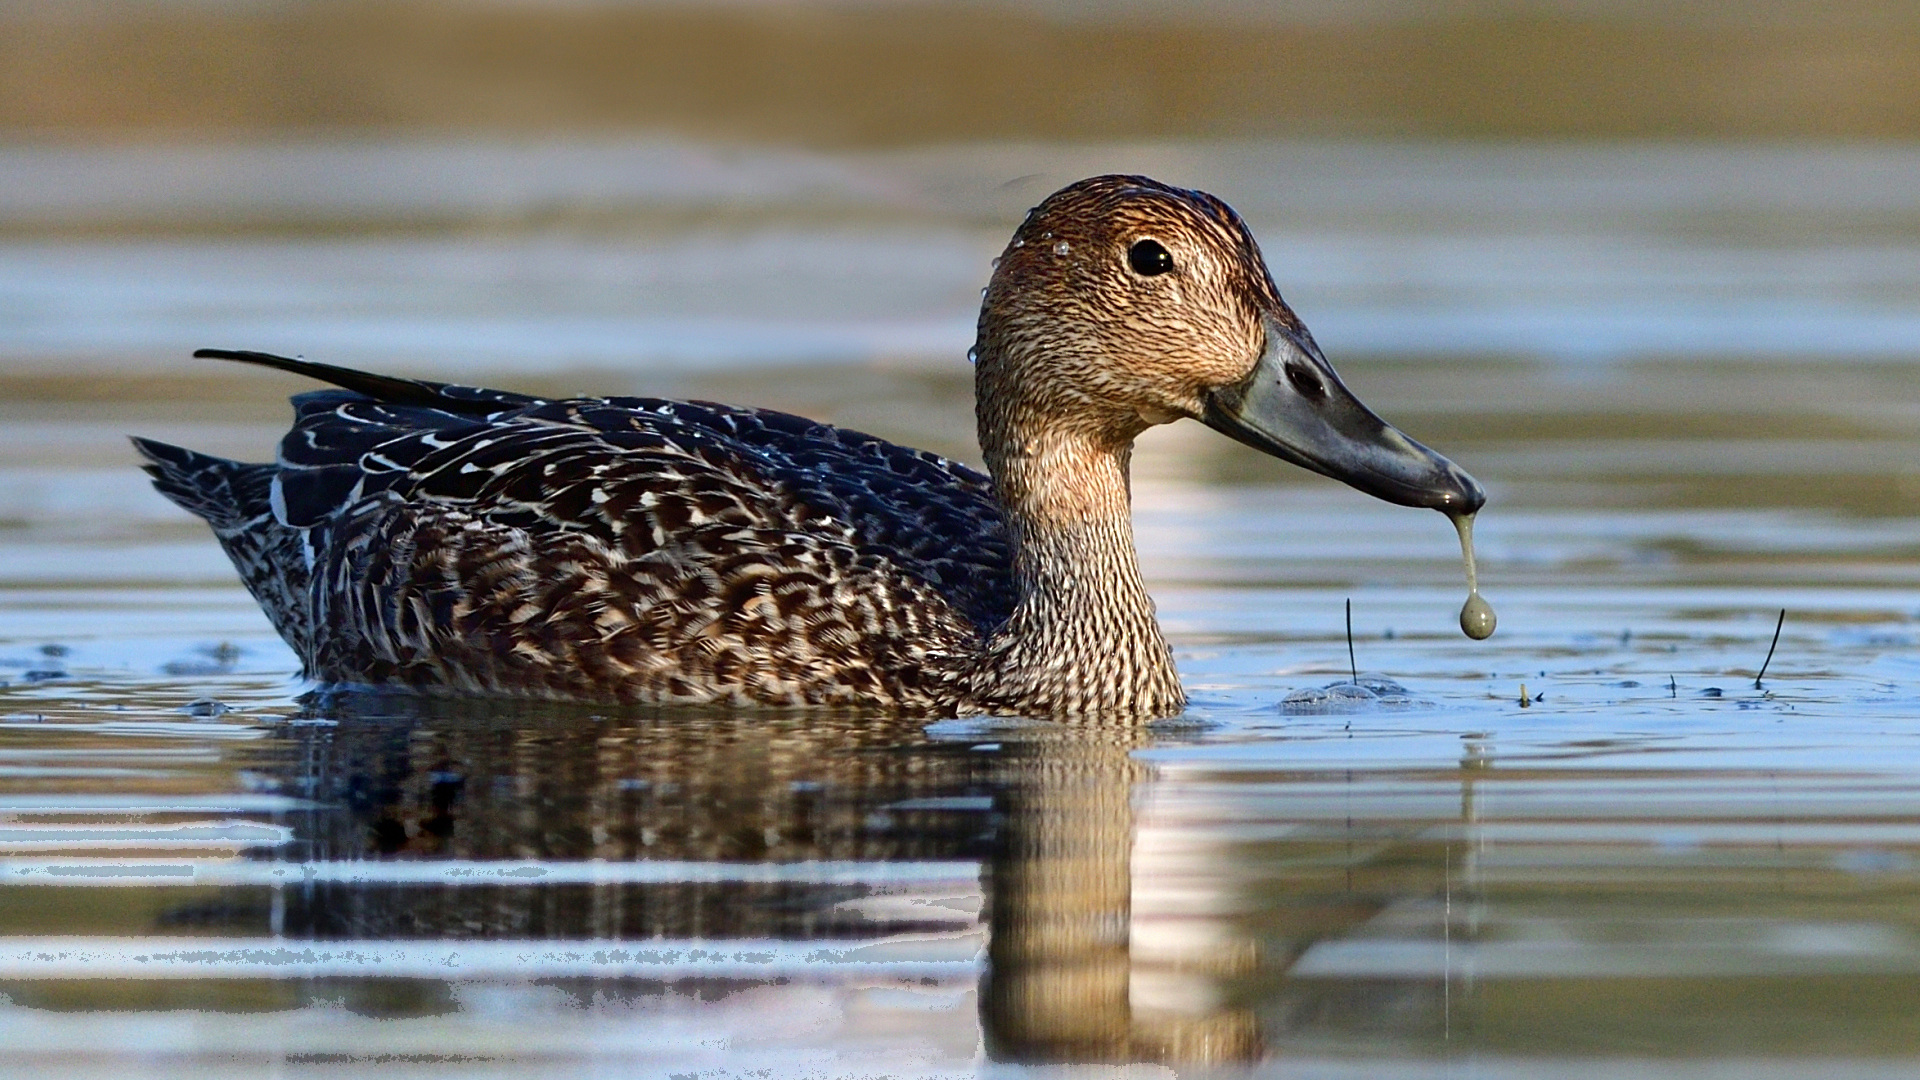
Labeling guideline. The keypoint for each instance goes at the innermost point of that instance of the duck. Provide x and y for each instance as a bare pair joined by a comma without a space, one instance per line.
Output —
459,540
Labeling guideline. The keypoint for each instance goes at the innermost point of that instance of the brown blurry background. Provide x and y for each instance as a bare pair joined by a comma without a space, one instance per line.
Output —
878,73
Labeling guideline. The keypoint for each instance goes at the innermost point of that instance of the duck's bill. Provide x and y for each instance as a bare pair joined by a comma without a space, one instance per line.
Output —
1295,408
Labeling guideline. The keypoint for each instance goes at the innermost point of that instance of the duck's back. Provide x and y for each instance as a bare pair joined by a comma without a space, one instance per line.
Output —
612,548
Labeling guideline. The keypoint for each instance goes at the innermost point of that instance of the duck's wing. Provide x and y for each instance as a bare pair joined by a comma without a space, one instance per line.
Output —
724,497
541,464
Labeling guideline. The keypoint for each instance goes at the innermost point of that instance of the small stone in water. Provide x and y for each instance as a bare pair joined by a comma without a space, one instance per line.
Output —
1477,619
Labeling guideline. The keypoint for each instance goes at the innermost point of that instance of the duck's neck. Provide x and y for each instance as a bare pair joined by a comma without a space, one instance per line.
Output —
1082,638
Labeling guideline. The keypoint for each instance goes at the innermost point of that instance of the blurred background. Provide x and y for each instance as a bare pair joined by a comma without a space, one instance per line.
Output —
1650,270
1586,208
868,73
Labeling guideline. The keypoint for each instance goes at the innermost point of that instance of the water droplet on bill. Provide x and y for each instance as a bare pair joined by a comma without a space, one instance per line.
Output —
1477,619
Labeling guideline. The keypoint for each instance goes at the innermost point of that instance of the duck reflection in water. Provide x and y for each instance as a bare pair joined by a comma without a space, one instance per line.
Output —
1047,810
1068,978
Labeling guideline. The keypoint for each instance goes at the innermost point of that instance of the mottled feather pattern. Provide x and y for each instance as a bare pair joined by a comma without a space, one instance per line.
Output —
635,549
635,471
629,549
236,500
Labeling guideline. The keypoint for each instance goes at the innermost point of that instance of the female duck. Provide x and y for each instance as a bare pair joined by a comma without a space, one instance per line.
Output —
629,549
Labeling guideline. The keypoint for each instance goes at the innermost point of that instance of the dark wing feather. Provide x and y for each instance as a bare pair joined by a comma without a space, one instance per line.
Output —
539,466
628,546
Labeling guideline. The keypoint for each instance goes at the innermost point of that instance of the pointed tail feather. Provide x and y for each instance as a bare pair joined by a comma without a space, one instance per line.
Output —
236,498
472,400
226,494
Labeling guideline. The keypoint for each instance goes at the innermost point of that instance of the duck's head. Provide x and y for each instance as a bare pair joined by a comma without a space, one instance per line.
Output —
1122,303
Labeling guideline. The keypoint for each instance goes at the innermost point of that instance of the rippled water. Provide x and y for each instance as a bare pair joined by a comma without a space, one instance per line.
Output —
1588,847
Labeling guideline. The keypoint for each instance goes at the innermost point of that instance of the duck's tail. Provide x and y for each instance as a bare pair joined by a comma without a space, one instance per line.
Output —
266,544
419,393
236,499
228,495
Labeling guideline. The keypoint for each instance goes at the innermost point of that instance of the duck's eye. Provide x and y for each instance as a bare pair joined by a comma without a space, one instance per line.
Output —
1149,259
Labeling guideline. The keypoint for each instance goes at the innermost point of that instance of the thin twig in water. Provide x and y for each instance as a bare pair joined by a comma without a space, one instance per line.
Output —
1352,664
1776,644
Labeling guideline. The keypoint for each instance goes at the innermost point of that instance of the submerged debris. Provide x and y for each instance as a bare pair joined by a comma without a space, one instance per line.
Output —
1776,644
220,660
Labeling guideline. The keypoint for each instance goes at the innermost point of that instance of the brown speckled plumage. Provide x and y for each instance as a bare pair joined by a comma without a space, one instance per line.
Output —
630,549
621,548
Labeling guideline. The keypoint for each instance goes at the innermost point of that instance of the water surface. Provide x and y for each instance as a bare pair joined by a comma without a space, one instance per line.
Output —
1692,401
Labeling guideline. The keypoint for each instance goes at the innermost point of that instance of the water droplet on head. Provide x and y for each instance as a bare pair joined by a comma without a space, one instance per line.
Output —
1062,248
1046,236
996,262
1019,243
973,356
